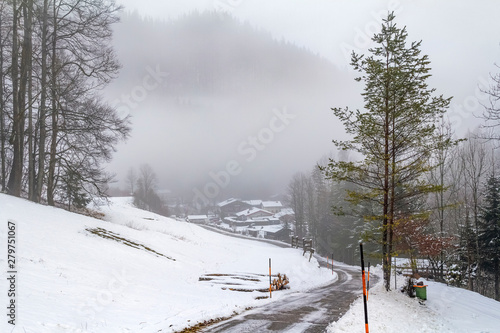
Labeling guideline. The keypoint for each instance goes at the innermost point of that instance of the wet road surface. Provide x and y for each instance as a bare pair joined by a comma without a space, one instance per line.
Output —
310,311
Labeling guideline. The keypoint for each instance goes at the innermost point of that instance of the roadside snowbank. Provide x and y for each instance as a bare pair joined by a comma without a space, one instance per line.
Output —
447,309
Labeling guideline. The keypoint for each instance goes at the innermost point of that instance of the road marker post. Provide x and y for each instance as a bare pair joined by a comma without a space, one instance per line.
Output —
270,283
364,287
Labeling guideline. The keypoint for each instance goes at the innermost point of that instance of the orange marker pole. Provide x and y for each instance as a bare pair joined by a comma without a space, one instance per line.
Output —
270,284
364,287
368,283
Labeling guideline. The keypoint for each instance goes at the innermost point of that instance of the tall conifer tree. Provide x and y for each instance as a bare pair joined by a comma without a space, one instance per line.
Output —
395,133
489,234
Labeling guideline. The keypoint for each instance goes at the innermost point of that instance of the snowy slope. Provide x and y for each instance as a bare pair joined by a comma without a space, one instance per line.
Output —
72,280
447,309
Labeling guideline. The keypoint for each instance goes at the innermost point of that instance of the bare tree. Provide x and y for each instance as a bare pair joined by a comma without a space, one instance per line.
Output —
442,200
474,157
131,180
4,35
82,61
17,136
55,131
297,191
491,112
145,196
42,110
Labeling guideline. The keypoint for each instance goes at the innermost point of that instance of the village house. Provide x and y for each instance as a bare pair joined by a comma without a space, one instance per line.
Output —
256,221
231,206
257,218
252,213
276,232
254,203
286,215
272,206
198,219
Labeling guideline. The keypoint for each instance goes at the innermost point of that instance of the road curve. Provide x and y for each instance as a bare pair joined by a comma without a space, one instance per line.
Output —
310,311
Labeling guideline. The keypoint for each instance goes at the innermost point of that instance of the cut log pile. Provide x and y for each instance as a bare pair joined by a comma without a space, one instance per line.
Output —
281,282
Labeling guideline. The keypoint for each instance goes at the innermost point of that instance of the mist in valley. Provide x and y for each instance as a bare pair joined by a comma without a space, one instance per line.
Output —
220,108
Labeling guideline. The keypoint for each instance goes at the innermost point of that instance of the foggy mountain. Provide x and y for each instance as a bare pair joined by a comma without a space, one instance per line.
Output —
221,108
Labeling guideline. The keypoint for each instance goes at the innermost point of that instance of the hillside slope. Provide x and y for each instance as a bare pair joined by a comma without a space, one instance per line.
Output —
134,272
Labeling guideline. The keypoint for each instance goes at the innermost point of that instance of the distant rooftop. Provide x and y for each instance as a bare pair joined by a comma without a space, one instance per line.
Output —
285,211
253,202
271,204
227,202
251,211
266,228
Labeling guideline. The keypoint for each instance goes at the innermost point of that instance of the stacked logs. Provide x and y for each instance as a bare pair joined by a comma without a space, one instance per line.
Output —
281,282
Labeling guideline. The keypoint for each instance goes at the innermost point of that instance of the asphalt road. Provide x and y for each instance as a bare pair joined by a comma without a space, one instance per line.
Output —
309,312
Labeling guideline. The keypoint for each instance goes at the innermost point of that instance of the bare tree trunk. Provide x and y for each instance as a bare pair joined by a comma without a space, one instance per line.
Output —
392,201
42,108
441,215
3,134
385,222
496,262
28,14
18,95
53,144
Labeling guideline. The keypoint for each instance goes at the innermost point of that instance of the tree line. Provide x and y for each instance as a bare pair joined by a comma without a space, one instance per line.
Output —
55,129
457,229
403,181
143,186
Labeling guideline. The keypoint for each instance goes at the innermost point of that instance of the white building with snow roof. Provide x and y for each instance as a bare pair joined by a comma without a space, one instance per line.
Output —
231,206
272,206
252,213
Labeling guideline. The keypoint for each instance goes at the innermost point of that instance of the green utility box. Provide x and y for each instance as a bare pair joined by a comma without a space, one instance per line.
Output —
421,291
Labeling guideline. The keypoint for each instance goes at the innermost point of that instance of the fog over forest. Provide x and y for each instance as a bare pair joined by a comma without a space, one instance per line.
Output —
214,100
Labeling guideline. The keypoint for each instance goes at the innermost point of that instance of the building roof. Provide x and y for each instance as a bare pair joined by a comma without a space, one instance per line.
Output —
227,202
271,220
271,204
285,211
197,217
251,211
267,228
253,202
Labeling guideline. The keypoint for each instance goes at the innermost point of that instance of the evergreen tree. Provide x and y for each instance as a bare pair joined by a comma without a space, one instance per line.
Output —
396,133
489,234
73,190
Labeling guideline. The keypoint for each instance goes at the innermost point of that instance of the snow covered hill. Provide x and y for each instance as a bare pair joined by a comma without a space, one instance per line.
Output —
134,272
140,272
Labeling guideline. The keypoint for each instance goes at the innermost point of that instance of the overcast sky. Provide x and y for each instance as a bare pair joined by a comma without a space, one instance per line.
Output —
461,37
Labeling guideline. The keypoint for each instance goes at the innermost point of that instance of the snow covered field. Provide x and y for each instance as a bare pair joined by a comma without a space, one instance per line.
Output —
140,272
134,272
446,309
